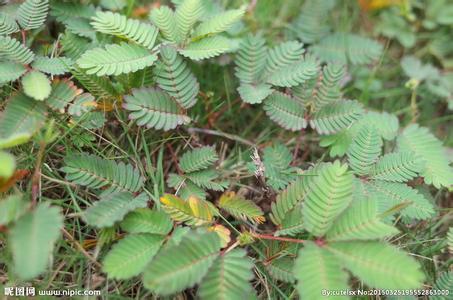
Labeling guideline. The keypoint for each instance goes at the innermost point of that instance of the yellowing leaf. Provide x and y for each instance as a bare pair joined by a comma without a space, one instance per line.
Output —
194,211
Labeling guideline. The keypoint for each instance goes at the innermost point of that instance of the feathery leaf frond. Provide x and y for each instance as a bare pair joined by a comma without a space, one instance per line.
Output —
119,25
170,272
130,255
174,77
154,109
97,173
116,59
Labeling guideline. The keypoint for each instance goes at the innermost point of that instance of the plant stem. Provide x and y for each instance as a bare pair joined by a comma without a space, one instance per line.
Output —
277,238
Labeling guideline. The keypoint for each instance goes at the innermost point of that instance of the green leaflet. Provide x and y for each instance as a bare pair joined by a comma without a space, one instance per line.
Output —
171,272
364,150
398,167
378,265
22,116
130,255
277,160
32,13
336,116
116,59
174,77
425,145
155,109
283,56
285,111
198,159
241,208
52,65
443,282
10,71
113,207
119,25
392,194
32,239
63,92
36,85
97,173
7,24
12,49
186,14
361,221
294,74
315,270
144,220
328,195
229,277
163,17
219,22
207,48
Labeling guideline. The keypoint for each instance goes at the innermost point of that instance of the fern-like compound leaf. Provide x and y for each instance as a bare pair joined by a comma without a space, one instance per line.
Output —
316,270
346,47
82,104
277,160
130,255
154,109
187,14
97,173
450,240
206,179
100,87
329,89
285,111
329,194
293,195
119,25
80,27
32,239
251,60
22,115
10,71
292,223
392,194
174,77
219,22
282,269
361,221
198,159
229,277
193,211
294,74
147,221
12,49
254,93
241,208
379,265
170,272
113,207
52,65
283,55
32,13
116,59
207,48
364,150
7,24
63,92
336,116
443,283
36,85
164,19
428,148
397,167
385,124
